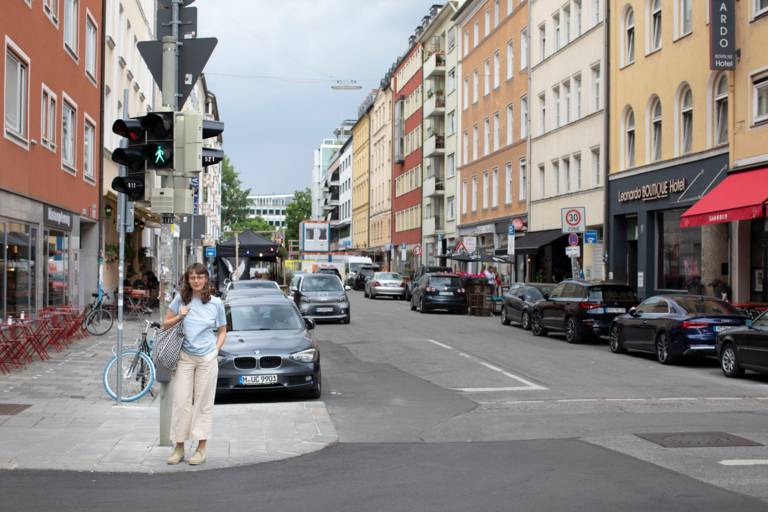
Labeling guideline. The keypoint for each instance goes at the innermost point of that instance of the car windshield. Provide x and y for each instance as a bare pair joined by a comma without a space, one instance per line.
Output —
254,283
321,283
366,271
612,293
263,317
533,294
391,276
355,267
444,282
696,306
762,320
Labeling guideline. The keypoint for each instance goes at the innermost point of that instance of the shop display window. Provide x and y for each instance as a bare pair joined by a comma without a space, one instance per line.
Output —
679,254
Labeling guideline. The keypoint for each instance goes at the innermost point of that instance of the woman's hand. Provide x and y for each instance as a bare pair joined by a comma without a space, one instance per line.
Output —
183,310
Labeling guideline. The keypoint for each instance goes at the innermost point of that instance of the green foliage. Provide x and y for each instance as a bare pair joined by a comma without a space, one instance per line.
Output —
296,212
235,205
257,224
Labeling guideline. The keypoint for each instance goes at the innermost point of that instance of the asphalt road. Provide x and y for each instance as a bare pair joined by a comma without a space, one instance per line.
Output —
441,412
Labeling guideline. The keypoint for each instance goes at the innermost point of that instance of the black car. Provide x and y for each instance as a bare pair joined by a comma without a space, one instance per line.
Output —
672,326
519,301
439,291
322,297
744,348
268,347
363,274
581,308
424,269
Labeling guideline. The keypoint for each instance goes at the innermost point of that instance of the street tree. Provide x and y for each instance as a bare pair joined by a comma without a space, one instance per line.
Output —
296,212
235,205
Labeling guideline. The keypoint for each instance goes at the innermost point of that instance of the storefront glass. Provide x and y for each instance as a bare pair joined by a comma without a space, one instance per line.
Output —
18,266
759,256
679,254
58,268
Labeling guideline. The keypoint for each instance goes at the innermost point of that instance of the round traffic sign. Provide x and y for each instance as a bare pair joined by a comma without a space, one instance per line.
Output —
573,217
573,239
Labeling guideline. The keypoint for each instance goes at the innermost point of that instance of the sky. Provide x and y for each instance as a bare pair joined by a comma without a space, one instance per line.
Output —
273,68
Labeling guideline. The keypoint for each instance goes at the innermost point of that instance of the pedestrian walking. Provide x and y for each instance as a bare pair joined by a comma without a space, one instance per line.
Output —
194,381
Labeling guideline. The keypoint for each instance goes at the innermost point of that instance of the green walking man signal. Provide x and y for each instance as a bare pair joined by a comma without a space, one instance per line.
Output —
160,156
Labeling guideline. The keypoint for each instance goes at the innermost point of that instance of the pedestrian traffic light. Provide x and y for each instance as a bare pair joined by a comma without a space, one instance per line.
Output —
150,142
212,129
190,154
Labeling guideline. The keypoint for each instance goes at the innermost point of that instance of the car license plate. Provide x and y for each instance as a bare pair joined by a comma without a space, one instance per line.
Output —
392,285
258,380
615,310
324,310
719,328
446,293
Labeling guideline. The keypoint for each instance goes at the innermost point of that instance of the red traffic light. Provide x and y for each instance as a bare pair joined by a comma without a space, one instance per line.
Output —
131,129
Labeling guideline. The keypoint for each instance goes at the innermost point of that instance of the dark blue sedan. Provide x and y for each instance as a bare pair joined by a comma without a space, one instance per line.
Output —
673,326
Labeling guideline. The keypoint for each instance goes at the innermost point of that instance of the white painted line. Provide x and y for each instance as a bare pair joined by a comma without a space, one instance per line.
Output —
744,462
626,399
528,385
574,400
678,399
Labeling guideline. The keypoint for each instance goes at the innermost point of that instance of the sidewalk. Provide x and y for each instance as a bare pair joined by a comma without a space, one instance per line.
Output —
55,415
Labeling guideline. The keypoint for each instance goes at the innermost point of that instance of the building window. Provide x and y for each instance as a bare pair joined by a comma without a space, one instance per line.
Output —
91,45
524,48
511,58
577,17
629,37
508,183
466,43
655,25
542,41
476,35
721,109
686,17
450,208
596,86
464,198
465,93
450,127
496,69
486,136
542,113
485,190
556,96
451,82
556,176
89,145
68,130
556,25
48,119
524,117
596,11
51,9
16,95
496,128
465,148
596,165
450,165
495,189
577,96
566,24
686,121
542,182
567,97
451,34
510,123
523,177
475,86
71,10
680,253
567,174
487,22
760,98
496,13
656,130
474,193
475,137
487,77
577,170
761,7
629,139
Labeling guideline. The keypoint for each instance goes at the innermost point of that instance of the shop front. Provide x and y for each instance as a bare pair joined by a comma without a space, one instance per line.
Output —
57,240
648,246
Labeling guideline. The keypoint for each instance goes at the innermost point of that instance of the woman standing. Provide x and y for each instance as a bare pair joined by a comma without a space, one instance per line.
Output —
197,368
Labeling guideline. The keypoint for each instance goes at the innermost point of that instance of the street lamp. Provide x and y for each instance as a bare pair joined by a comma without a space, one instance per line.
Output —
346,85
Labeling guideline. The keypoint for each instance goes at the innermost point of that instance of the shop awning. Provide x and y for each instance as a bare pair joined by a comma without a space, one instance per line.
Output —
740,196
534,240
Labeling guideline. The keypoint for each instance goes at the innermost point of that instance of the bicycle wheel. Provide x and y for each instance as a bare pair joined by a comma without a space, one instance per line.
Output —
99,322
138,373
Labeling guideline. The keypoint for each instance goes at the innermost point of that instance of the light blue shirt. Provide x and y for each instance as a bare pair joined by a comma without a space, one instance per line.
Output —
200,324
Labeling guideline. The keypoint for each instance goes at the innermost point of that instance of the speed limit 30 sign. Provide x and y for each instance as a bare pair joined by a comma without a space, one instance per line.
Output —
573,219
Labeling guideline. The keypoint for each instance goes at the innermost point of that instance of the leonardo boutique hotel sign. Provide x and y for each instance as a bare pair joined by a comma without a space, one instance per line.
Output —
653,191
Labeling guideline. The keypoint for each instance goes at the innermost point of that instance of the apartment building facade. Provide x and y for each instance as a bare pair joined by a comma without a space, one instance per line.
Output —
49,184
361,170
380,229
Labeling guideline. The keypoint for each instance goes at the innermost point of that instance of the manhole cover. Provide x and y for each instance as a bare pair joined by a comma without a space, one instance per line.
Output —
697,440
12,409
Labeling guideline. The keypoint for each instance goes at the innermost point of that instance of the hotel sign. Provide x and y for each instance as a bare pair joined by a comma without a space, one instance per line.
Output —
654,191
722,40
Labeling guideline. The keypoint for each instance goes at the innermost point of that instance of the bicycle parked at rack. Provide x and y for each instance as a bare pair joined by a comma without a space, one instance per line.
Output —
98,319
135,366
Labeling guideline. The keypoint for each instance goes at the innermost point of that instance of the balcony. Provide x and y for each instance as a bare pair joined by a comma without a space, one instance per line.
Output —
434,186
434,146
330,205
435,65
432,225
435,105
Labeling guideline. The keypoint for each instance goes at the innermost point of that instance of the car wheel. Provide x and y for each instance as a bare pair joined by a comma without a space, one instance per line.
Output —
573,331
729,362
504,319
615,342
371,295
536,325
317,391
365,293
662,350
347,318
525,321
421,306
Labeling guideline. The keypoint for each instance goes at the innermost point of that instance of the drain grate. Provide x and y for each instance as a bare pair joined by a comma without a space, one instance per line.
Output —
697,440
12,409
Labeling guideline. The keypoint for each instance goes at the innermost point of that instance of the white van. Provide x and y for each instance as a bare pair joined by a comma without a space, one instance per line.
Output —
351,264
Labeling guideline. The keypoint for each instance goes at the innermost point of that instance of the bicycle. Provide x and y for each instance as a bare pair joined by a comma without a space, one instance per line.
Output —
98,320
136,366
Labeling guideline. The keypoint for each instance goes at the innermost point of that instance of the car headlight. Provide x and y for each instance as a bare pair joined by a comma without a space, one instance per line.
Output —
305,356
304,299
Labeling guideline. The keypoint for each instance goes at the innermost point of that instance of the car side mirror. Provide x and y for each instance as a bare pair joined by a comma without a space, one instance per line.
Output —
749,324
521,297
546,296
633,312
310,324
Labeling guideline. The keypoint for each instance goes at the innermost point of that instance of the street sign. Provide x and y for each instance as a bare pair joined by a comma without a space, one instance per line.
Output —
573,219
511,230
188,26
210,252
573,251
573,239
470,243
590,236
417,250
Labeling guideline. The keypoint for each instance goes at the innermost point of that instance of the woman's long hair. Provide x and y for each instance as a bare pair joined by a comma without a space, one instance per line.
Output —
186,290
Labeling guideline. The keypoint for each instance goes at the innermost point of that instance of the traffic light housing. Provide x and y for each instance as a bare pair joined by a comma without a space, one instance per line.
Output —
190,132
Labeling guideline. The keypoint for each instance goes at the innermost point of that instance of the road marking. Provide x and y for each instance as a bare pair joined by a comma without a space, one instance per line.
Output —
527,385
634,400
744,462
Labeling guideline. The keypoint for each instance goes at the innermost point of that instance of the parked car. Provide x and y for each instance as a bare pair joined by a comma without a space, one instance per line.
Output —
322,297
672,326
295,281
439,291
268,347
385,284
424,269
581,308
744,348
364,273
519,300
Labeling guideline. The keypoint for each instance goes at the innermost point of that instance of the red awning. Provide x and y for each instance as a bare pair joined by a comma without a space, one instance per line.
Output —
740,196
